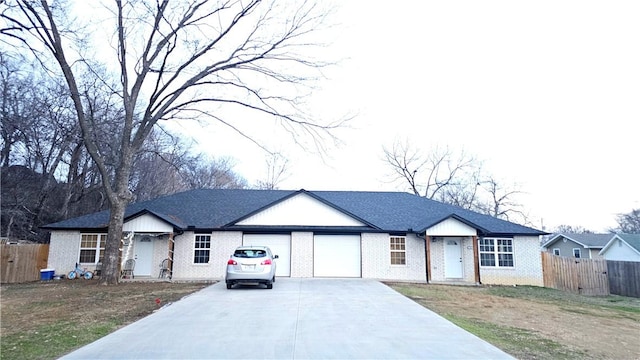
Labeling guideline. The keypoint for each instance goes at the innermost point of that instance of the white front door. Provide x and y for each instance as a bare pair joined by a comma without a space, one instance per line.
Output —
143,255
453,258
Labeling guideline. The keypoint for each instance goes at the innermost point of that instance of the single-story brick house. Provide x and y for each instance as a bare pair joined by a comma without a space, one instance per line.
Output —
375,235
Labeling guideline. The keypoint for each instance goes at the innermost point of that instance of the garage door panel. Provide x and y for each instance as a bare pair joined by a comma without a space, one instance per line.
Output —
279,244
336,256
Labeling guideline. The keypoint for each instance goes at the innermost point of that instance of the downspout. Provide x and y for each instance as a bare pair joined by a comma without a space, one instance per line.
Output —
427,247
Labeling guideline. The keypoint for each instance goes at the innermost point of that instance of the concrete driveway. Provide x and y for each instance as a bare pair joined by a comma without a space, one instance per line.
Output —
297,319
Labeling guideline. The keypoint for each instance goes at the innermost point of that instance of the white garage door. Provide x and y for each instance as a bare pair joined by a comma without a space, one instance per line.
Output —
336,256
279,244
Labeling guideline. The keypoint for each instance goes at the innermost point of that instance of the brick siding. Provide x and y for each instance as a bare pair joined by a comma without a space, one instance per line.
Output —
527,268
64,251
376,259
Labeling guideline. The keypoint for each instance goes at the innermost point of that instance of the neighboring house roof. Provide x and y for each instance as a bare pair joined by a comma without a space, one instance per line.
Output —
633,240
588,241
220,209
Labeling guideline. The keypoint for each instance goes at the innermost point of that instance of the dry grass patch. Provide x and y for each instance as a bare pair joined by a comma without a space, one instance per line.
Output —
45,320
538,323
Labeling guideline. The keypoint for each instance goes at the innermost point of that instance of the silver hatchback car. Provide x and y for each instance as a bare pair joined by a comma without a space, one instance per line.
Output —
251,264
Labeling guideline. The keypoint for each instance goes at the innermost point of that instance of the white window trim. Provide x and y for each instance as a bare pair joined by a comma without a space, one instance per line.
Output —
193,252
404,238
102,238
495,253
579,253
556,251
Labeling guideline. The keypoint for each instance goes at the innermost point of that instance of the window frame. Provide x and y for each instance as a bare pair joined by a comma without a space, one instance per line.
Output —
400,253
99,248
579,253
493,252
556,251
199,249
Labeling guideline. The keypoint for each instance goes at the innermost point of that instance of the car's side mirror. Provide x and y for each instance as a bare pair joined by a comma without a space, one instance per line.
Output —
275,256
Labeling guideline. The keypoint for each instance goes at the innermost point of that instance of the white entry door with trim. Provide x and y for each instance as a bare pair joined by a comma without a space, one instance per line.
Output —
453,258
143,255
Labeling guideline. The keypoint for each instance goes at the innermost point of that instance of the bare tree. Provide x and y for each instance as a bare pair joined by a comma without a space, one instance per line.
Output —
570,229
212,174
186,59
156,169
38,132
628,223
454,178
277,168
11,109
500,202
439,174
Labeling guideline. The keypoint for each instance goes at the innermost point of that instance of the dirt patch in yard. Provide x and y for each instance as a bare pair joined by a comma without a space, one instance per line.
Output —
583,327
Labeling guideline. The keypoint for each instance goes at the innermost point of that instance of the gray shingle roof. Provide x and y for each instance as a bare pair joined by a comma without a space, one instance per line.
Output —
632,239
213,209
595,241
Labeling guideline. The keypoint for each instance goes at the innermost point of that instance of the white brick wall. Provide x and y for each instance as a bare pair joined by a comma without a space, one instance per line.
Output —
160,252
64,251
438,259
302,254
468,263
376,259
527,268
223,244
65,247
436,250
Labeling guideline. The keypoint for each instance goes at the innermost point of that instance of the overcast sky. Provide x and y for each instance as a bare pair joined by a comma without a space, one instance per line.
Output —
545,93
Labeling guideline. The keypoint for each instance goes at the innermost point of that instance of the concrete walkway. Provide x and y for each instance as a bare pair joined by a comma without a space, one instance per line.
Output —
297,319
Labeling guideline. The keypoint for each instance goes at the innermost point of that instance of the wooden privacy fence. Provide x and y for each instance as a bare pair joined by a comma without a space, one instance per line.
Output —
624,278
22,263
581,276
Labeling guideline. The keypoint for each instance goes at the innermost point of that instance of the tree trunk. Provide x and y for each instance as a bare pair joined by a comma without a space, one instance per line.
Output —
118,201
111,263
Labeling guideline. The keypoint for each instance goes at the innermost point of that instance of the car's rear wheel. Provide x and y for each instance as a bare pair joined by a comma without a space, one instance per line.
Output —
229,285
269,285
274,279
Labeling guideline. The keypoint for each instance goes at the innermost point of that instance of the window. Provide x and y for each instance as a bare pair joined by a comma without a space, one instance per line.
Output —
250,253
398,250
496,252
202,248
576,252
92,248
556,251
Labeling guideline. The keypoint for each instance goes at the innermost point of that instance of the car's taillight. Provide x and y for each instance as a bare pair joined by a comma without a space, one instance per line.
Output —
232,262
266,262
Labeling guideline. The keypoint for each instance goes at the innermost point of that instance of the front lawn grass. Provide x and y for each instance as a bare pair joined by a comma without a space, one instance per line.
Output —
48,319
530,322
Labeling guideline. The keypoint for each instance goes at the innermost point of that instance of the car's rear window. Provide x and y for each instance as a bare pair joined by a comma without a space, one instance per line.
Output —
250,253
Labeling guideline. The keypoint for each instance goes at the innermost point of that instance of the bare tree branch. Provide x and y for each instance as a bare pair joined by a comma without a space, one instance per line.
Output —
173,59
457,179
